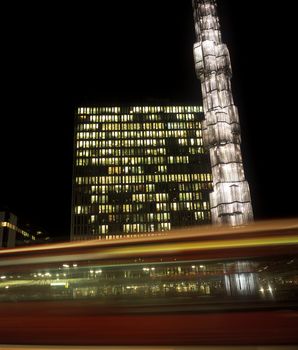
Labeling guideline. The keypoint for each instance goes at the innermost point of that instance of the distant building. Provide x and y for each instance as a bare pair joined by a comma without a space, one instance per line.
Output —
8,229
13,234
138,169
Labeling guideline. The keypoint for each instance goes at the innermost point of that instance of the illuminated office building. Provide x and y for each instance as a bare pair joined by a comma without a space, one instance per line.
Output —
138,170
230,201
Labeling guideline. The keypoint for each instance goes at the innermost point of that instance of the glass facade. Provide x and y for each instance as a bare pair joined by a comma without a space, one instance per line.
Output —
138,170
230,201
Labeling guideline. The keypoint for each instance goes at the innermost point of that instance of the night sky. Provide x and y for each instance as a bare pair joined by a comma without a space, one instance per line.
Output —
55,58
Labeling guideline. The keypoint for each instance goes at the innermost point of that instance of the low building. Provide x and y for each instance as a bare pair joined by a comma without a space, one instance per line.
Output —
14,233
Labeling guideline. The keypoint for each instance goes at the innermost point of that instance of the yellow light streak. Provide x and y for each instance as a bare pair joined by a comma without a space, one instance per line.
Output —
220,244
176,241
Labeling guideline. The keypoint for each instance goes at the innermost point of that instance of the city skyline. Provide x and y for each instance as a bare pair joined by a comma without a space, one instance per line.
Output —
87,56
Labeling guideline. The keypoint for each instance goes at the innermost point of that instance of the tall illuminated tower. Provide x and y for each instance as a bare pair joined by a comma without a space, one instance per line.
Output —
230,200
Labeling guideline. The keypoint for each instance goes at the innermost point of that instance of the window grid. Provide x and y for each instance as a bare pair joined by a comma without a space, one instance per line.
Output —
139,169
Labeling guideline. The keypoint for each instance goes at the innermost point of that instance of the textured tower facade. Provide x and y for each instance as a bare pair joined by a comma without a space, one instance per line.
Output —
230,200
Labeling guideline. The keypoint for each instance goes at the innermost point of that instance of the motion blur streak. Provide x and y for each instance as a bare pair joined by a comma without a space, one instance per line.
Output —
266,233
29,347
199,231
211,286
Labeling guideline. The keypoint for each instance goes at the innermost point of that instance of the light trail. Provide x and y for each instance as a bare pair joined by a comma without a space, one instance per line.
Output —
264,234
181,233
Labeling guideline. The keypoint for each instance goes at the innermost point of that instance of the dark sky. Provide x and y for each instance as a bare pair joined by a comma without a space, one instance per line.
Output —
56,57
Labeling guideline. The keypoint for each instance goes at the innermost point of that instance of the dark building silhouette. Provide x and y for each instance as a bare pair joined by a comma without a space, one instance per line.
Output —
14,233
